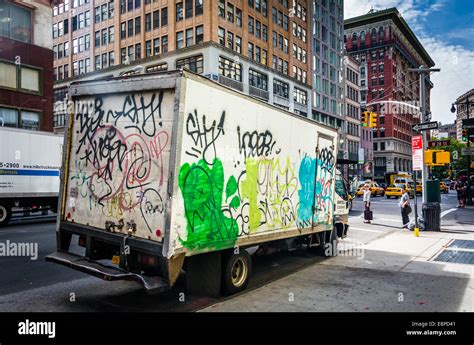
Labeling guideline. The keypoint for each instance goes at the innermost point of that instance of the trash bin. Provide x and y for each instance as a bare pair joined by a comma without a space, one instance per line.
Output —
433,193
432,216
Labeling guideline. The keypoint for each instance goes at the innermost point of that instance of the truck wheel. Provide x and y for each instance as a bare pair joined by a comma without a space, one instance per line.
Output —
326,237
5,214
236,271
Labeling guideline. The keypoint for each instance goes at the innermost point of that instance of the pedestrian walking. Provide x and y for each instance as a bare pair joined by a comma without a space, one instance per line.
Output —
367,212
405,207
460,189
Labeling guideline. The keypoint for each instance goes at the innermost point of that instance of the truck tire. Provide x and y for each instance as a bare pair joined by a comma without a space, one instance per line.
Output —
325,237
236,271
5,214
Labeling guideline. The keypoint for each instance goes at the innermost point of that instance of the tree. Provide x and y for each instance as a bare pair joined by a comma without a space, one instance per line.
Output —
457,167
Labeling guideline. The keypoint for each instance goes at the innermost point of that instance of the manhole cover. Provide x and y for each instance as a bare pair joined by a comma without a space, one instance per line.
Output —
465,244
456,256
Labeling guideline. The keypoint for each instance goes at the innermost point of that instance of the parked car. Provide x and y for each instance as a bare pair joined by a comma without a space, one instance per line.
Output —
395,190
374,188
383,185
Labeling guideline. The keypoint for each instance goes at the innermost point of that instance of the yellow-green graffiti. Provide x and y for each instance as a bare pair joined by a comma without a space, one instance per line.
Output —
202,188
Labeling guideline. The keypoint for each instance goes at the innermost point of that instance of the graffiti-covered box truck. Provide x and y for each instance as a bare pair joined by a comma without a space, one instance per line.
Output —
172,172
30,162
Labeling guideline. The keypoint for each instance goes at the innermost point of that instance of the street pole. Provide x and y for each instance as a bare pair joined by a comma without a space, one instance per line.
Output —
422,71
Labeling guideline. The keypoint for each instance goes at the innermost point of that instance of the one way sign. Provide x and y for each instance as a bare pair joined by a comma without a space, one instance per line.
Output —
425,126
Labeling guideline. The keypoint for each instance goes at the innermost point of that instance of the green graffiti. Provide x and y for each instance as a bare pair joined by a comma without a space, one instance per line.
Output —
250,191
202,189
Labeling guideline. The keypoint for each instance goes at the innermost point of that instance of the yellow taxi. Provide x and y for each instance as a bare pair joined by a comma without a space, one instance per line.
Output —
375,189
443,187
419,187
395,190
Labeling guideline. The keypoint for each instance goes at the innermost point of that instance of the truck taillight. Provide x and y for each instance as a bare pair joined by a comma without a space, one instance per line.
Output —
82,241
147,260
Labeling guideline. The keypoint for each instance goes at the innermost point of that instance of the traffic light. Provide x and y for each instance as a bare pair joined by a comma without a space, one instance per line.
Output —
465,135
365,119
372,120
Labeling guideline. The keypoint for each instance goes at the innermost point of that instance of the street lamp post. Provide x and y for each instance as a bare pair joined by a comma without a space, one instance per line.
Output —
467,104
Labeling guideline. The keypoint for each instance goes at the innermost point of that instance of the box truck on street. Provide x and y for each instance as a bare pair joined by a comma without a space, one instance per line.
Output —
30,163
172,172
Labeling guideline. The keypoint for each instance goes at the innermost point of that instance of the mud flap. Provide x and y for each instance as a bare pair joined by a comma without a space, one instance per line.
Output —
203,274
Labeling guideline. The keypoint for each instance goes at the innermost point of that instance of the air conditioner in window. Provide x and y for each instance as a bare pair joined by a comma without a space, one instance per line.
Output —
212,76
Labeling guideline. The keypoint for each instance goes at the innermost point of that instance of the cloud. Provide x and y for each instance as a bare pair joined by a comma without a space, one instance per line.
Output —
456,62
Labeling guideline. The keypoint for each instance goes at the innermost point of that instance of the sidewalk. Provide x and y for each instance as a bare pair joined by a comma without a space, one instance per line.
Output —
396,273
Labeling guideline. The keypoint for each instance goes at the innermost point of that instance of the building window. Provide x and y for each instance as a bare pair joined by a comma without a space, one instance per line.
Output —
238,17
157,68
281,88
130,28
221,35
258,80
164,44
199,6
250,51
123,32
111,58
179,40
189,37
156,46
300,96
8,75
179,11
104,60
138,25
148,48
194,64
147,22
230,69
189,8
164,16
238,44
230,13
199,34
138,51
104,37
221,8
230,40
156,19
250,25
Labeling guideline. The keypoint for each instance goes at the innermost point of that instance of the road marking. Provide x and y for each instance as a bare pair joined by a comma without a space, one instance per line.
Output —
366,230
447,212
384,219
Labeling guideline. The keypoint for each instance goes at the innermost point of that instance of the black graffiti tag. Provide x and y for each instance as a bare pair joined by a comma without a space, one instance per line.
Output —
255,143
204,136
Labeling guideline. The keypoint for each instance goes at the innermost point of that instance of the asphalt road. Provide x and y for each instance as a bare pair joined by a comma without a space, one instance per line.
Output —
36,285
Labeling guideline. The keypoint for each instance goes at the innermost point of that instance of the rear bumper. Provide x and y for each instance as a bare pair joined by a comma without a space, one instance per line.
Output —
105,272
100,246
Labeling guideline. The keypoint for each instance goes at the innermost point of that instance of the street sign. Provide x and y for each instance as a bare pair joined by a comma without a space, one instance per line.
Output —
436,143
425,126
467,151
417,152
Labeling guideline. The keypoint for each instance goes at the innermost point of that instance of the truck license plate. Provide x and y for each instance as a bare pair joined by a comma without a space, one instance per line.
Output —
115,259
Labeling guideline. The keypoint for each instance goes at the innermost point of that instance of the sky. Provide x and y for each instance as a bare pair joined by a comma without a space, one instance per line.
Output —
446,30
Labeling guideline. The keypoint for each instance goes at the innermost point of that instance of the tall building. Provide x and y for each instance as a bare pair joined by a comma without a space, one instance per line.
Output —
26,65
327,51
386,47
461,111
445,131
352,127
259,48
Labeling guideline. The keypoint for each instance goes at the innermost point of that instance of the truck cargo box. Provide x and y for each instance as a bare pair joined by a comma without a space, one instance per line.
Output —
176,165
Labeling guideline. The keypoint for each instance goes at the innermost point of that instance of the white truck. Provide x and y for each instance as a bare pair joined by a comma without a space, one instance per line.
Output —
172,171
30,164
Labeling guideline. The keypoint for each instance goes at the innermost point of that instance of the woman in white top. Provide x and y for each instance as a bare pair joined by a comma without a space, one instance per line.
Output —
366,200
405,205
